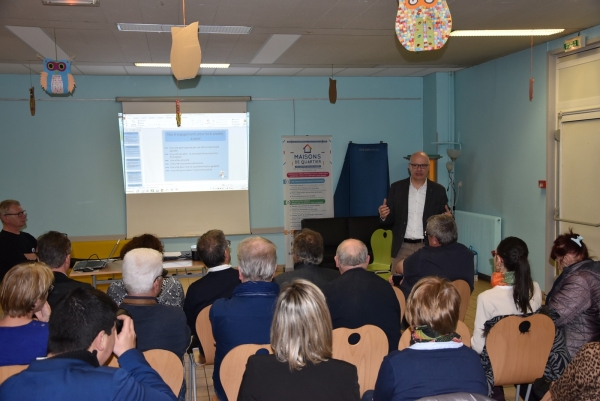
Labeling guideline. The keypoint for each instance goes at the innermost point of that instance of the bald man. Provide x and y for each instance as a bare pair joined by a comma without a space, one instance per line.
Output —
409,204
359,297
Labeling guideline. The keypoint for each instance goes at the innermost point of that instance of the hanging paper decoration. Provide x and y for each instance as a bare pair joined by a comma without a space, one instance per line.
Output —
332,91
185,51
423,25
178,113
31,101
56,79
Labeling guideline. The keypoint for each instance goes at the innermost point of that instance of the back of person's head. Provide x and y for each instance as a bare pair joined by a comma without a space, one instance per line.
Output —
569,243
23,287
78,318
433,302
443,228
6,204
308,247
143,241
514,254
212,248
53,248
351,252
141,267
257,259
301,331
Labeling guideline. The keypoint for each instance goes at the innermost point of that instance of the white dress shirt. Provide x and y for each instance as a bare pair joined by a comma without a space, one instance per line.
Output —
416,205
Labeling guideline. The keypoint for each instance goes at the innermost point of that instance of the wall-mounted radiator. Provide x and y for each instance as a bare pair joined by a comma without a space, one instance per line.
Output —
483,233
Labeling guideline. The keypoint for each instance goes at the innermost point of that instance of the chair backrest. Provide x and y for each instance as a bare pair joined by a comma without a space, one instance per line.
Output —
461,328
465,294
519,348
204,330
401,301
367,354
10,370
381,244
234,366
456,397
168,366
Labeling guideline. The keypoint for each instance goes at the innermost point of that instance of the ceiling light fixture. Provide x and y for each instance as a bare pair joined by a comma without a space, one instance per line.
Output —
94,3
168,65
508,32
231,30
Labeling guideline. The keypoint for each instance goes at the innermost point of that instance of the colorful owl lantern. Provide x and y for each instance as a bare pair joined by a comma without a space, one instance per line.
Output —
56,79
423,25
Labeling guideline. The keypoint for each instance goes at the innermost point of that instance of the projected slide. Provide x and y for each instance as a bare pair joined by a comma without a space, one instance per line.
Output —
209,154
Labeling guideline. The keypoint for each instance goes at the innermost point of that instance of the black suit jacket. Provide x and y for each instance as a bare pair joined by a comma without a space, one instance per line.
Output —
319,276
397,200
62,286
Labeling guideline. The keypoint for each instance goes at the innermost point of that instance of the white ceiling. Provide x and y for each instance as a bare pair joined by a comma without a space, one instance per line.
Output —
356,37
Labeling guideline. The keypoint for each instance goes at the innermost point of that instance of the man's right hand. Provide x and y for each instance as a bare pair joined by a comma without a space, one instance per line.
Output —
384,210
125,340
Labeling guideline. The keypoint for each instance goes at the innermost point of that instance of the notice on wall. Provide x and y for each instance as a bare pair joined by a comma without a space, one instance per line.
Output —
307,184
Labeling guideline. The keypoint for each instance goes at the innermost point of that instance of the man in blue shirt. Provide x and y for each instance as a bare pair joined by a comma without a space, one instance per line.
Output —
246,317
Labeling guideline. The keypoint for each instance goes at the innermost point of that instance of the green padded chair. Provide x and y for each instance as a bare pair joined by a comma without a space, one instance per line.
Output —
381,244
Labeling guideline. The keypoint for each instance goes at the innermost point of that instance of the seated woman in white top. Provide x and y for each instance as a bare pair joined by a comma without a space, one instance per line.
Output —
513,291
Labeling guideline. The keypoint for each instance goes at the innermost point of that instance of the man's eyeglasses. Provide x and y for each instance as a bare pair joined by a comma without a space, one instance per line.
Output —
20,214
163,274
419,166
228,243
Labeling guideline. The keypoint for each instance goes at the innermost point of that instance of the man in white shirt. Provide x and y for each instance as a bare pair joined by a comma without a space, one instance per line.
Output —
409,204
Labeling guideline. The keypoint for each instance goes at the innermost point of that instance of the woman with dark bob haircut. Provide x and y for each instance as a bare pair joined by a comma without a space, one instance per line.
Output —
23,297
575,295
301,367
172,290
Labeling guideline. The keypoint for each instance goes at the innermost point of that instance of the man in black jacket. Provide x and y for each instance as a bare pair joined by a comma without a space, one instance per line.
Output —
409,204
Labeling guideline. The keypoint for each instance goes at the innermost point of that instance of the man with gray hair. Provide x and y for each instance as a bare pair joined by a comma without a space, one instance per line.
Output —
359,297
307,252
16,246
156,325
246,317
443,257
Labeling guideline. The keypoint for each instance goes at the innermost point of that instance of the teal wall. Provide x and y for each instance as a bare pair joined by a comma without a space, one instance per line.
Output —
504,145
64,164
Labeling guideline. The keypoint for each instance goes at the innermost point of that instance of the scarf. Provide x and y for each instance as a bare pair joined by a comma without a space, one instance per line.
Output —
425,334
499,278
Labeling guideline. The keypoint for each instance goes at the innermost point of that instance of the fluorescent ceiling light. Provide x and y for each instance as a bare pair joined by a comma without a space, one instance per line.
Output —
231,30
509,32
39,41
70,3
168,65
274,48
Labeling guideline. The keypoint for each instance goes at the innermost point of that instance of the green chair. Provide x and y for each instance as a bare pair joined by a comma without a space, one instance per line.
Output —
381,244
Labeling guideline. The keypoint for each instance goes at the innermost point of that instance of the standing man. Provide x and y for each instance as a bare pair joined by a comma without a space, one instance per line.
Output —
409,204
15,246
54,249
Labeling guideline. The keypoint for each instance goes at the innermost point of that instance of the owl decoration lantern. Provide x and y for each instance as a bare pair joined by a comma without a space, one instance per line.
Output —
423,25
56,79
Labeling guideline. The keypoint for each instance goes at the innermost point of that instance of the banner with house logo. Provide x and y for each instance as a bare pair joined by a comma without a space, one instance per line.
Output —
307,184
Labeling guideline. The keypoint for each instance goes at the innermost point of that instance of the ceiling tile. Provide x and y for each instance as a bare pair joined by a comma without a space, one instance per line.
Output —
236,71
6,68
133,70
102,69
278,71
358,72
318,72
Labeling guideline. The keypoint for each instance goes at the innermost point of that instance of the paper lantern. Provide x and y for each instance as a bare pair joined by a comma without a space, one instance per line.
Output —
423,25
185,51
56,79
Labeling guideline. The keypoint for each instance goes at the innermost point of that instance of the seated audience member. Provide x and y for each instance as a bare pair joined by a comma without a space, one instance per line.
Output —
82,338
359,297
444,257
220,280
246,317
16,246
172,290
301,367
580,380
23,294
307,252
437,362
157,326
54,249
575,295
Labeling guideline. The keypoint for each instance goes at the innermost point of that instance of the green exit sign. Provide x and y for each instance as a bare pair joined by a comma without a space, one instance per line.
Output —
574,43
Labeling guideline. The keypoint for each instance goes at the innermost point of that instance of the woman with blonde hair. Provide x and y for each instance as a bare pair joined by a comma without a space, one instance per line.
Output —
301,367
23,296
436,362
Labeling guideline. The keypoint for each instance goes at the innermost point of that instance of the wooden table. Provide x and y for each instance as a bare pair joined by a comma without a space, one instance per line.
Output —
178,268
